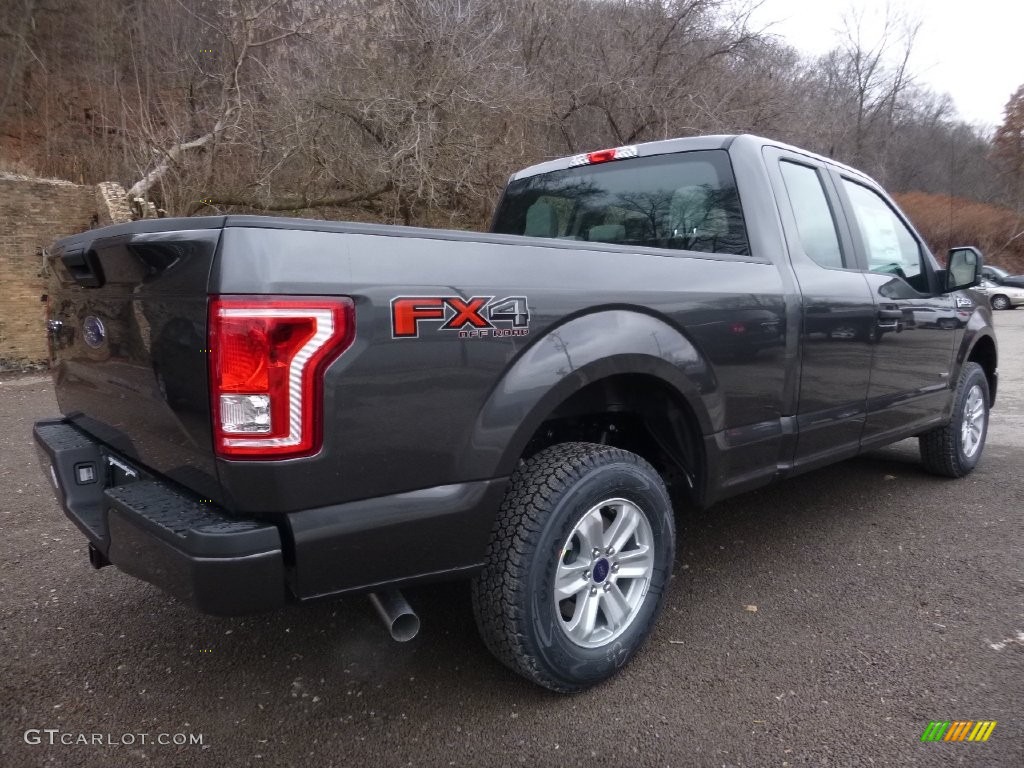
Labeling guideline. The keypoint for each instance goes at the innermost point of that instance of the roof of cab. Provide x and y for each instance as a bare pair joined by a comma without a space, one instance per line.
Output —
646,149
688,144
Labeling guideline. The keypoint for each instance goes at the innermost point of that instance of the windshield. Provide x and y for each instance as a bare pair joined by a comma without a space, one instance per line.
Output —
686,200
997,271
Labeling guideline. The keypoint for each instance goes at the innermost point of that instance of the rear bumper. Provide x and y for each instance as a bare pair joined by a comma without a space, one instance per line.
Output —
228,566
148,529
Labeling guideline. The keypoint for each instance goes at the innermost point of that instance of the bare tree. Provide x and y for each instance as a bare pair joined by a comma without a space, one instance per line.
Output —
415,111
237,30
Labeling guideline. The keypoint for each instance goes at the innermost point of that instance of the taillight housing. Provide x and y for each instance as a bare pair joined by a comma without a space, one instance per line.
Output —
267,360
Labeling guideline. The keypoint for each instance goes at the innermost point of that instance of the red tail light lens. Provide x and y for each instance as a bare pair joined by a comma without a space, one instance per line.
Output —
267,360
243,354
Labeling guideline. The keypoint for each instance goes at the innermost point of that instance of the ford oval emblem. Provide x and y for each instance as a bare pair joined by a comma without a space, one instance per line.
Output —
93,332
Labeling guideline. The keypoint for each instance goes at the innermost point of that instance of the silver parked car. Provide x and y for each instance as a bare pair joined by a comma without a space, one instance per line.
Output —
1000,276
1002,296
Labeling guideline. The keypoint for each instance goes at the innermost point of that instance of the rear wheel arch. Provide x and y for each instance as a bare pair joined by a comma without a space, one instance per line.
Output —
566,367
638,412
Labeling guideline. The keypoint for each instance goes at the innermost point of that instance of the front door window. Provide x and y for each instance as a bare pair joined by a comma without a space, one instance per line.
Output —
890,246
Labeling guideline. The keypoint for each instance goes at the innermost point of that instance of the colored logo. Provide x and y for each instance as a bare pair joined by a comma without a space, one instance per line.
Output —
475,317
958,730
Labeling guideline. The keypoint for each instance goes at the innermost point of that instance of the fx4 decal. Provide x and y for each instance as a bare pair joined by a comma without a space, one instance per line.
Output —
476,317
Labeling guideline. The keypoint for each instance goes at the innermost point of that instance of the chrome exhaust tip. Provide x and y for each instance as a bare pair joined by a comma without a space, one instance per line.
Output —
397,615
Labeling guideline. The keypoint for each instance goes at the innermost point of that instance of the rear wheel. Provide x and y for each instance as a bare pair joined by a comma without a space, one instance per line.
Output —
577,565
1000,302
954,450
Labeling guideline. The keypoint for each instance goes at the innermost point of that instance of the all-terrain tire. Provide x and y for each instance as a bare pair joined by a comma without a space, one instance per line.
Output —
944,451
549,495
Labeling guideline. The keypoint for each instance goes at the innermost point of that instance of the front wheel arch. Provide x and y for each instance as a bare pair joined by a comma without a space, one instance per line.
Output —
984,354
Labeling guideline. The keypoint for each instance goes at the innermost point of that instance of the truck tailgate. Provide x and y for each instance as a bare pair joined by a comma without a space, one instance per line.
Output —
127,325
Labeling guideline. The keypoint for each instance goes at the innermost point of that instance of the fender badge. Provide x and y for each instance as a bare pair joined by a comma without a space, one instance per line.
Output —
472,318
963,301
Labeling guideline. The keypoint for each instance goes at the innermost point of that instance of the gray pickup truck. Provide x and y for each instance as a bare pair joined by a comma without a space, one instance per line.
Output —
264,410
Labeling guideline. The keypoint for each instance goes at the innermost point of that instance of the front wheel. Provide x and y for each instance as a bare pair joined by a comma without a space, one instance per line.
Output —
577,565
954,450
1000,302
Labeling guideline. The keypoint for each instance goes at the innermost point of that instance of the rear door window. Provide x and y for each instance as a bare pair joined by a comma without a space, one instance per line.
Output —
814,220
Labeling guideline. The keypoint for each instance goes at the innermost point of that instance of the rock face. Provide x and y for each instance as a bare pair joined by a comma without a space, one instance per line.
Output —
33,213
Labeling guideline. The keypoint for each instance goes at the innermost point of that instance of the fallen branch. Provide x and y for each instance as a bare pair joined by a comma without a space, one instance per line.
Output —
142,186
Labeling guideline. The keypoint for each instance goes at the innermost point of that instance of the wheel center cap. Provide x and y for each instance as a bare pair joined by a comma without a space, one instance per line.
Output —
601,568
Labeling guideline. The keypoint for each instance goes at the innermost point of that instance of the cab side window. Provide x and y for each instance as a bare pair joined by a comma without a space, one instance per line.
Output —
890,246
813,215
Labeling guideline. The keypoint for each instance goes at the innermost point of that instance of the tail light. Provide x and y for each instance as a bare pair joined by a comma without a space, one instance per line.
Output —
267,360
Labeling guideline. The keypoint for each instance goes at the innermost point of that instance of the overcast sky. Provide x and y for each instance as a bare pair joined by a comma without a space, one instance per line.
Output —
972,49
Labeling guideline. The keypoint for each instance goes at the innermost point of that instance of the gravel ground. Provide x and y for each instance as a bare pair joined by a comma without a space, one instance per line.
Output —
884,599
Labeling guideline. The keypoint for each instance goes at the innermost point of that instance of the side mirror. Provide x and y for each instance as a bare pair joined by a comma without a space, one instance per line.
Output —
963,268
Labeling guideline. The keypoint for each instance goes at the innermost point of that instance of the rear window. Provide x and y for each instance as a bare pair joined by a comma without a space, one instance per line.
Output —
683,201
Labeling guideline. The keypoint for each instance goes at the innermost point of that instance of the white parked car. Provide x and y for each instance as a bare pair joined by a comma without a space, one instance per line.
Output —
1002,296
